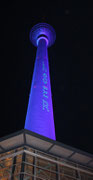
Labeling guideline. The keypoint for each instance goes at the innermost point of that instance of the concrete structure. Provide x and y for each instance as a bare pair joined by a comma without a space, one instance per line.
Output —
39,117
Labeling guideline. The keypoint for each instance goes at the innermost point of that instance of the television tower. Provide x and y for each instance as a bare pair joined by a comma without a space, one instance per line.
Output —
39,118
25,155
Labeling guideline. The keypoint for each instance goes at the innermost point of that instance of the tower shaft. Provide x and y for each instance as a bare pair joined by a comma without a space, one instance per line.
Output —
39,117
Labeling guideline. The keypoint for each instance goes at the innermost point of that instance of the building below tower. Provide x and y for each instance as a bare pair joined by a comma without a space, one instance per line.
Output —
28,156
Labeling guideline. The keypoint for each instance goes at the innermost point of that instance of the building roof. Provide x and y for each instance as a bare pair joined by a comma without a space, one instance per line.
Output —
25,137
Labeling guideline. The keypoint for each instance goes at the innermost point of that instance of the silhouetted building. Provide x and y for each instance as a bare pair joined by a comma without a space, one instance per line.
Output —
28,156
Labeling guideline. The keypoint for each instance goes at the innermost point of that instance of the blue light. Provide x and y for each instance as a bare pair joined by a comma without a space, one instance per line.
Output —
39,117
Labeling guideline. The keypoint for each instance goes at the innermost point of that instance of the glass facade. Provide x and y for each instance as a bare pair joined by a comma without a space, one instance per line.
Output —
26,163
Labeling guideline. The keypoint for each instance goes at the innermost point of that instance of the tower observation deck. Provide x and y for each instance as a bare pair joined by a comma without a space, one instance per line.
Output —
39,118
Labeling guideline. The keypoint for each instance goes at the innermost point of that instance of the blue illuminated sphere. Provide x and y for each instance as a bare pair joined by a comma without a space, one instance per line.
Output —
42,30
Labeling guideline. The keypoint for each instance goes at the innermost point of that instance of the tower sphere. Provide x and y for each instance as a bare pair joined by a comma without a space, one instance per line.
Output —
42,31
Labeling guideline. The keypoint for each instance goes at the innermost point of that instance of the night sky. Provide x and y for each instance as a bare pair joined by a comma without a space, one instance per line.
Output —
71,67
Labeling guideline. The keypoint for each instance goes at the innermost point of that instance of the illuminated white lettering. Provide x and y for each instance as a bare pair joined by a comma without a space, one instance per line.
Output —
45,105
44,78
45,92
45,88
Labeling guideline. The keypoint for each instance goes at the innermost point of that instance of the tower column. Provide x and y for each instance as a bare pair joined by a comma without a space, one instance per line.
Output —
39,117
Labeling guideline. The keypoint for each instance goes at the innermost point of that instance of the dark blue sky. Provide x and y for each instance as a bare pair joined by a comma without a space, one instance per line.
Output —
71,67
